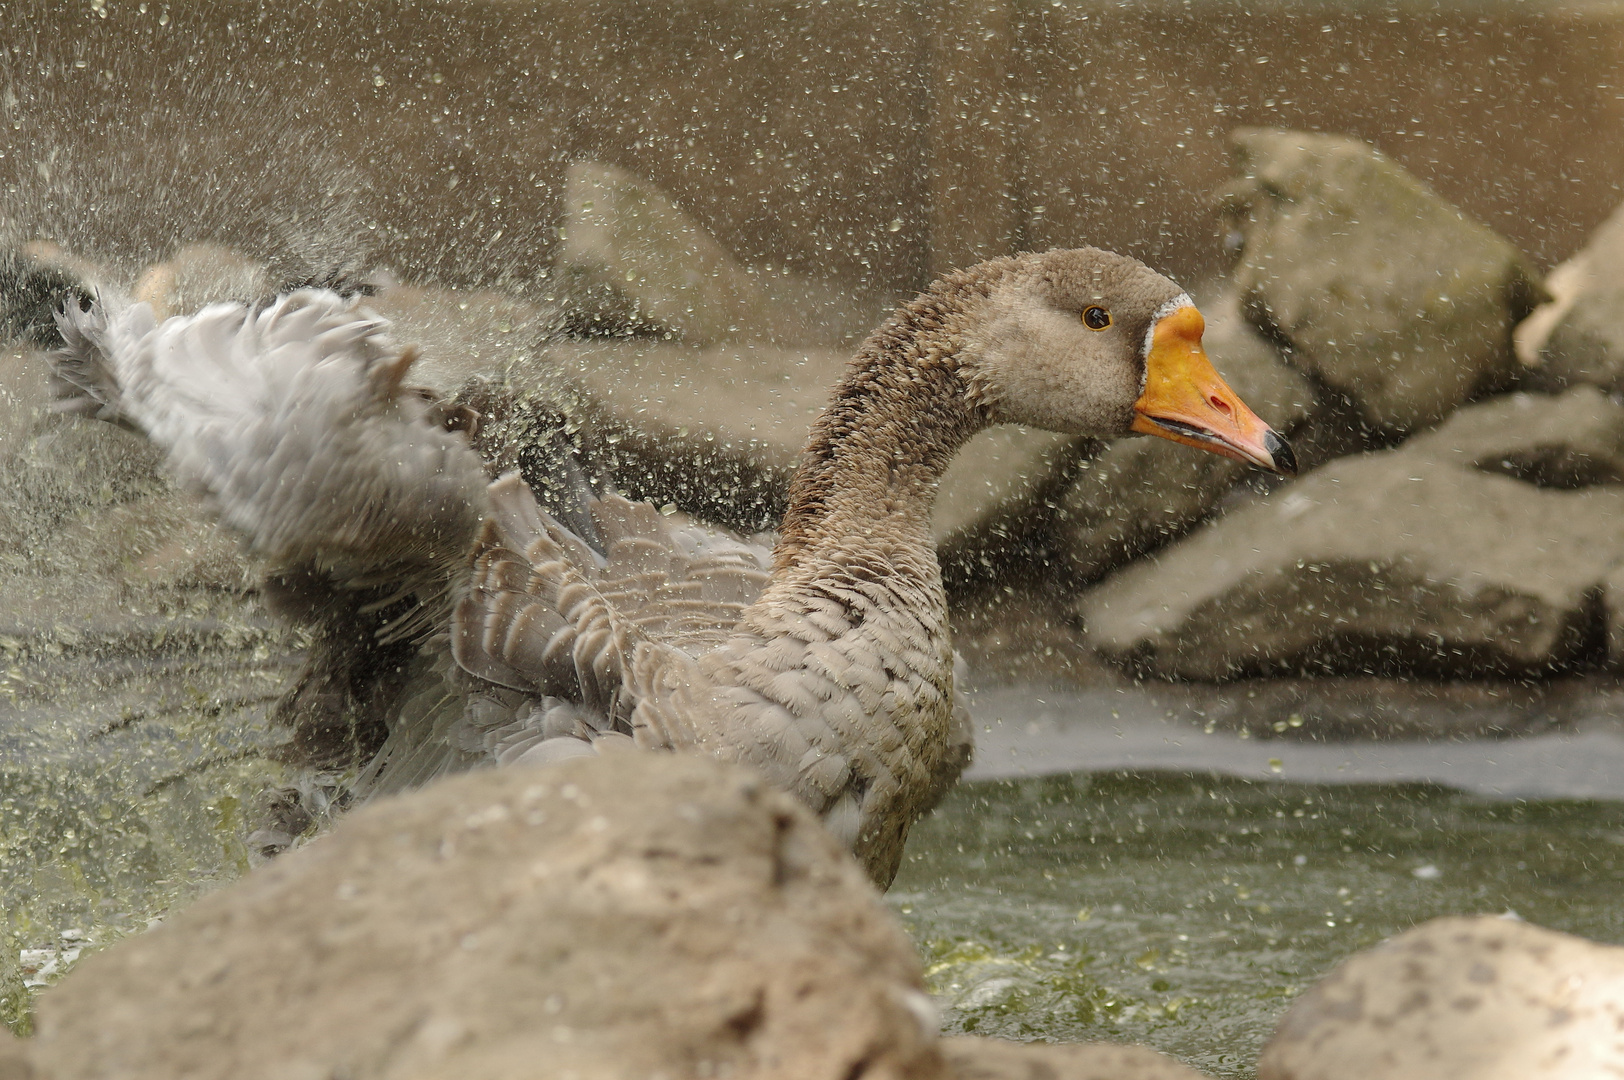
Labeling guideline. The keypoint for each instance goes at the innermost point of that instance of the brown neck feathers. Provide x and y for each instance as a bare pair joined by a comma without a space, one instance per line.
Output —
896,419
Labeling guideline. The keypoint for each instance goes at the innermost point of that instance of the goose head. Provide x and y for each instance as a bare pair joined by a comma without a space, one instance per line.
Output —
1088,342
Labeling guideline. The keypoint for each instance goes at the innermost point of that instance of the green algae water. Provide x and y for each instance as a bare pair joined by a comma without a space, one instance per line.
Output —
1186,912
125,787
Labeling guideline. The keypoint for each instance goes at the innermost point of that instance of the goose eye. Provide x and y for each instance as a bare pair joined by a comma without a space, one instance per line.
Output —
1096,318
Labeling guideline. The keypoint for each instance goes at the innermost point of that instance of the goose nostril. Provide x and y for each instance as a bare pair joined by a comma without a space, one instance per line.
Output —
1221,405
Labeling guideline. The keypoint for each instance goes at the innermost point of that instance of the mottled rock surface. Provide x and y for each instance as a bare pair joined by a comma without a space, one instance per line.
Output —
202,274
16,1062
1460,999
463,333
1385,291
608,917
992,1059
1137,494
622,235
1480,547
1579,336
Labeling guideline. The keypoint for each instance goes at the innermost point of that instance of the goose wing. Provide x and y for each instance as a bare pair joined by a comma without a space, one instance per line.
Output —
292,420
598,645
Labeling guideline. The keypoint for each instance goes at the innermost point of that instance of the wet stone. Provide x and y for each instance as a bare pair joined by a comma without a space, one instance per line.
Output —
16,1063
1481,998
994,1059
1383,290
627,249
201,274
1579,336
1479,548
609,916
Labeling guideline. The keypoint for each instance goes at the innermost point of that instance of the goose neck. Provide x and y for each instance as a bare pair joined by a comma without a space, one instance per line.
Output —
868,477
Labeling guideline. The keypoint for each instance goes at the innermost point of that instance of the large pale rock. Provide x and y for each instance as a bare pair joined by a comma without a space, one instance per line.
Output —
993,1059
627,237
1385,291
613,917
1137,494
1579,336
201,274
461,334
16,1063
1475,548
1460,999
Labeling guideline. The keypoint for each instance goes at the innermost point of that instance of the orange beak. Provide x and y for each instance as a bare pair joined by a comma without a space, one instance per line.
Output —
1185,400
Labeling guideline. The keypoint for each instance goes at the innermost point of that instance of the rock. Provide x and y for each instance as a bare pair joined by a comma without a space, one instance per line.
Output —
994,1059
623,236
1579,336
613,916
166,539
1481,998
32,278
463,333
15,1061
998,475
201,274
1384,291
1612,595
24,398
1477,548
1137,494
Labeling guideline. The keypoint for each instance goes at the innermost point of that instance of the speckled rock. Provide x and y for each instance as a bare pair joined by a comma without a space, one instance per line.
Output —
993,1059
624,236
1478,548
1137,494
1385,291
463,333
202,274
1579,336
608,917
1460,999
16,1061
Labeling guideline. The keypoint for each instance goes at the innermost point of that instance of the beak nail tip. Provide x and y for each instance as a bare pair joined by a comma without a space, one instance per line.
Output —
1285,461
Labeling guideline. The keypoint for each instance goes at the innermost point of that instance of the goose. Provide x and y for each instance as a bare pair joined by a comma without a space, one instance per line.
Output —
825,662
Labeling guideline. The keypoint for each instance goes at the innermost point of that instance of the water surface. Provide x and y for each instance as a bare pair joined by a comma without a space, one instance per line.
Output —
1186,911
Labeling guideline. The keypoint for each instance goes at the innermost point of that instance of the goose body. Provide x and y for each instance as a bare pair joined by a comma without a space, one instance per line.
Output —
827,664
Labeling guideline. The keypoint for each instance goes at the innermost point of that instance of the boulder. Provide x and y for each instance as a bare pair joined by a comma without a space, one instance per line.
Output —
1137,494
622,237
994,1059
1383,290
463,334
1579,336
201,274
1482,998
1478,548
616,916
32,278
16,1063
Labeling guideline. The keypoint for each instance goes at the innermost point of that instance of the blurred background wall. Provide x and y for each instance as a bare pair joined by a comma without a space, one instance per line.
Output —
866,143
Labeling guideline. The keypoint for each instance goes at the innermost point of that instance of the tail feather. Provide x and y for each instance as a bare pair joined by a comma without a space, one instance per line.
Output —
84,379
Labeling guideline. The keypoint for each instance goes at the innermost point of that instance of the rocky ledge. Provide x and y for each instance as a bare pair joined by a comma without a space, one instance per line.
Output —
627,916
